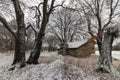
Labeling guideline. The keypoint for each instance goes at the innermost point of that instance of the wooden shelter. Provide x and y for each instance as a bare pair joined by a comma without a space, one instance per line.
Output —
80,48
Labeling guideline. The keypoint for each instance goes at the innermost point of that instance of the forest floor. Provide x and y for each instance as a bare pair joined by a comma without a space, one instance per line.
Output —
55,67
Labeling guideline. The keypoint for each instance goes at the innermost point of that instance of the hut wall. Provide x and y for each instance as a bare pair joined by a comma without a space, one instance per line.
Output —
83,51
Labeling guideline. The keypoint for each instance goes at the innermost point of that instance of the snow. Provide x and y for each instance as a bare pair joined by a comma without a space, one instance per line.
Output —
56,70
76,44
43,72
115,54
5,59
45,45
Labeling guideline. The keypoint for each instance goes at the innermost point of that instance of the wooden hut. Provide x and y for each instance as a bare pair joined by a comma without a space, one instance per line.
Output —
80,48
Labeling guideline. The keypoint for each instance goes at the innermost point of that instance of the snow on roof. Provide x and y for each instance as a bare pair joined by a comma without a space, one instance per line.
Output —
76,44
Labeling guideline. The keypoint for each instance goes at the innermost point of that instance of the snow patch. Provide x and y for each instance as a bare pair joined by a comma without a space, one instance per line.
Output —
76,44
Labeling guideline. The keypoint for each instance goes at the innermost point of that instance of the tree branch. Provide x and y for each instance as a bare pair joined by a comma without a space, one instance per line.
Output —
27,27
90,7
60,5
30,25
110,15
4,22
51,7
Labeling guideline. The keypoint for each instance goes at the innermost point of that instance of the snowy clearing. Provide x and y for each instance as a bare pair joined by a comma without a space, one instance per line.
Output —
53,67
115,54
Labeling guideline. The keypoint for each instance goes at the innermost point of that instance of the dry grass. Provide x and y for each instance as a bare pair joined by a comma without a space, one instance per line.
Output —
87,64
81,62
46,59
74,68
86,61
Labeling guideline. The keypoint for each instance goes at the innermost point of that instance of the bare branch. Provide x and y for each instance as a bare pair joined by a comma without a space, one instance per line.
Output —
110,15
56,34
51,7
40,4
90,7
60,5
116,5
30,25
4,22
27,27
102,6
89,24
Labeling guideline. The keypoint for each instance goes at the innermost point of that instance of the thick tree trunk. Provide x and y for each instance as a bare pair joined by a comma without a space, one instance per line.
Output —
19,56
105,57
34,56
35,53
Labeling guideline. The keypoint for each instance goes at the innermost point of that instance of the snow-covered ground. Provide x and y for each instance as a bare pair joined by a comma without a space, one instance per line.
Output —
52,67
115,54
56,70
7,58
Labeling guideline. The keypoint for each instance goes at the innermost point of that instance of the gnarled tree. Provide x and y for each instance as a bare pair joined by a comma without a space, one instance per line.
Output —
46,12
19,56
97,11
105,60
67,26
100,14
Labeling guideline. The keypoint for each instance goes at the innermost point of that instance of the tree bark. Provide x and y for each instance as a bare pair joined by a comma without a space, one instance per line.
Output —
19,56
99,45
35,53
105,57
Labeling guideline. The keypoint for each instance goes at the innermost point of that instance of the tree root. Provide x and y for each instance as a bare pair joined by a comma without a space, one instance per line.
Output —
105,69
31,62
16,66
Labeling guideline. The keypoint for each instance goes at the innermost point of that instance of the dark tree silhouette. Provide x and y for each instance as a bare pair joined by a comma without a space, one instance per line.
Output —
19,56
105,60
33,59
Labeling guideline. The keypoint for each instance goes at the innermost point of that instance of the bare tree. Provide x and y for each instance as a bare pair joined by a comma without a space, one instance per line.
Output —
46,12
67,26
19,56
105,64
100,13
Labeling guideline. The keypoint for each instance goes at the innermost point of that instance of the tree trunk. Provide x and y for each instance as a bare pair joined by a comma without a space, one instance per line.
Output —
34,56
19,56
105,58
35,53
99,45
